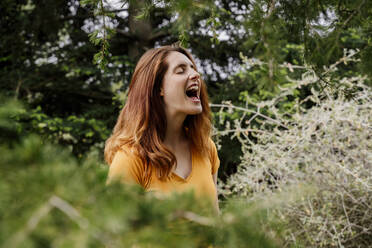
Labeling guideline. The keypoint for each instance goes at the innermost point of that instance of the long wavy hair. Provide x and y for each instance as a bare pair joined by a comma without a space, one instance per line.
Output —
142,122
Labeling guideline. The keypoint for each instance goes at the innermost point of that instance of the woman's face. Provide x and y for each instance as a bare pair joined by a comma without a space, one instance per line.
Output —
181,86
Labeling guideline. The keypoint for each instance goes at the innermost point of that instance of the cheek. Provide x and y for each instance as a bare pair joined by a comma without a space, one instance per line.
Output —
173,86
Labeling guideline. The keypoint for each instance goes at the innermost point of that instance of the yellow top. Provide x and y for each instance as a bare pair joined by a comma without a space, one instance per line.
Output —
128,168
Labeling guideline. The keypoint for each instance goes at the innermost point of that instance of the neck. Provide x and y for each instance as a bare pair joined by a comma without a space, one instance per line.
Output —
175,134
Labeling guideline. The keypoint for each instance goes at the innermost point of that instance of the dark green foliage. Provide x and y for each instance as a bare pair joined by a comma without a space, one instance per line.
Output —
69,131
9,130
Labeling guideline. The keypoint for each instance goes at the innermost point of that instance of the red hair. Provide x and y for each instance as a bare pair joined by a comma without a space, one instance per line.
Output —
142,122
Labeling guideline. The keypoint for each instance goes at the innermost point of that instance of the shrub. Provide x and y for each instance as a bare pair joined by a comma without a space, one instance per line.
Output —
327,146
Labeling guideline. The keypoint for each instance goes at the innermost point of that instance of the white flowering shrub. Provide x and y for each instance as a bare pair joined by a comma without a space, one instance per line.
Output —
328,146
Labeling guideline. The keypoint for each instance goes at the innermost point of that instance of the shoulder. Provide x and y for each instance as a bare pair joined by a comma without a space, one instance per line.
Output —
212,148
125,153
126,165
213,156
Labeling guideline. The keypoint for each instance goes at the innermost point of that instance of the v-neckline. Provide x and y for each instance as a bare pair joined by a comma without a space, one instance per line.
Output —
192,169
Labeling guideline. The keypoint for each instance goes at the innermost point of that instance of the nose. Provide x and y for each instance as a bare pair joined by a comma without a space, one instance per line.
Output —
194,76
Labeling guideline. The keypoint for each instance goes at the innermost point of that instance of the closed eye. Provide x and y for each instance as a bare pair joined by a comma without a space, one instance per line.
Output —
180,70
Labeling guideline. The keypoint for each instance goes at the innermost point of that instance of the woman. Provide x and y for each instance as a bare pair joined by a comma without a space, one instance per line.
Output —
161,138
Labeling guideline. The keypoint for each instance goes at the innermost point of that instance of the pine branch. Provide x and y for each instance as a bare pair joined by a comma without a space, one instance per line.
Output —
201,220
62,205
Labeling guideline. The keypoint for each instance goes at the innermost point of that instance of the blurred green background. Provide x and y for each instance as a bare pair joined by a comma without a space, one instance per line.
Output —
65,67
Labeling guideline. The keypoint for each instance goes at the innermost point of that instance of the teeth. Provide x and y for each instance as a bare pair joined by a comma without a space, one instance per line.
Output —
195,87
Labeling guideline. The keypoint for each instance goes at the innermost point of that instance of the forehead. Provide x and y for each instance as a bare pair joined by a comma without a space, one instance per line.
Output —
176,58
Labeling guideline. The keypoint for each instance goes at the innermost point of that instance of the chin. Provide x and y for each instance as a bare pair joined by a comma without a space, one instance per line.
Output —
195,111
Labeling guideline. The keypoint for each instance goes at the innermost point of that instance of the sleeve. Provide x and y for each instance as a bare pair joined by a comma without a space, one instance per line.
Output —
215,161
126,168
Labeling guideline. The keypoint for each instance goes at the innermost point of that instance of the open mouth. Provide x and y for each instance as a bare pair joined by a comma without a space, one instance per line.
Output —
193,93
